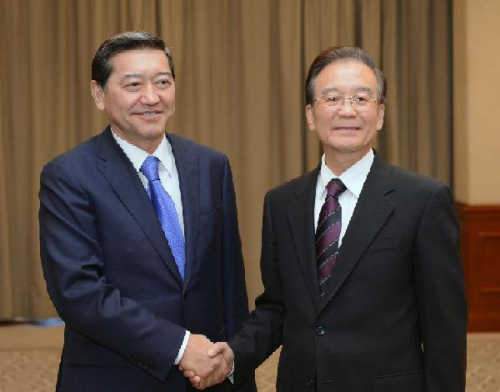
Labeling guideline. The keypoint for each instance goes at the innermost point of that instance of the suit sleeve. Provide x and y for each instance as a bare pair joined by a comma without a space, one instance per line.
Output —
441,295
235,294
262,333
73,266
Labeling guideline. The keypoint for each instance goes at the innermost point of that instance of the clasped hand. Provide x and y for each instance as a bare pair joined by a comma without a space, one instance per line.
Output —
206,363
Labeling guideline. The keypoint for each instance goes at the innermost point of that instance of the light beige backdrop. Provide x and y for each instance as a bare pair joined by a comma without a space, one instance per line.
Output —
240,68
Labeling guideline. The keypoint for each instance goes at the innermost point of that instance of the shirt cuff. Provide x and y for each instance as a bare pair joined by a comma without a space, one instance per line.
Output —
183,348
230,376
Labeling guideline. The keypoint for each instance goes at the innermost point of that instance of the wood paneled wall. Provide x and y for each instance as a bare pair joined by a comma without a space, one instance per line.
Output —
480,247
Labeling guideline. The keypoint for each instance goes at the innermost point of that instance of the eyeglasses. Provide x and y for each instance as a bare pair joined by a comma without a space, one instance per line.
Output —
357,101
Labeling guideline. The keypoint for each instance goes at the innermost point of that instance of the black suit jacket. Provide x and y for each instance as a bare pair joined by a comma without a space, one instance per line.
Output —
112,277
394,316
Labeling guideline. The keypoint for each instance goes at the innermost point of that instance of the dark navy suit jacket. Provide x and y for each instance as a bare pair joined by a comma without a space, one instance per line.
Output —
111,274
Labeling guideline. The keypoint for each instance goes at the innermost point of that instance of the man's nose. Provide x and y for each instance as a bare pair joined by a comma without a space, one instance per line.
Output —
150,96
347,107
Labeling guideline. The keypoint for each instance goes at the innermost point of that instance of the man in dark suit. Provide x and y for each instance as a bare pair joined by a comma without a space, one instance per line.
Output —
139,237
363,283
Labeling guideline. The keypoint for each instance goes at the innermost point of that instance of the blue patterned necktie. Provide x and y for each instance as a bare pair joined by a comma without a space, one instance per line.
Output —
328,232
166,212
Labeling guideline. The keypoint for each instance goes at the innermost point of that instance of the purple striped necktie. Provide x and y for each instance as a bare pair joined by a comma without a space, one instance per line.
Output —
328,232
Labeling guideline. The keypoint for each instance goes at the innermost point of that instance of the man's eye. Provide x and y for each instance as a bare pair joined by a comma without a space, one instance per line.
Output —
133,85
361,99
164,82
333,98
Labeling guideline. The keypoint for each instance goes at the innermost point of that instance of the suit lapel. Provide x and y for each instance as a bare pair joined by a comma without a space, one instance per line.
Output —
186,162
301,216
372,211
121,175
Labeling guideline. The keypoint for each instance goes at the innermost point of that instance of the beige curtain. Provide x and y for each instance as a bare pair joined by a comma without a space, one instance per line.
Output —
240,68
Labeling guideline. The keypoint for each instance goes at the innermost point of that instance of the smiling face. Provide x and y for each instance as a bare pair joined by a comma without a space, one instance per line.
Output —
346,133
139,98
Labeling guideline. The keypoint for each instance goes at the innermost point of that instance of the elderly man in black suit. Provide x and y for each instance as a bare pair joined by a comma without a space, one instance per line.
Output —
363,283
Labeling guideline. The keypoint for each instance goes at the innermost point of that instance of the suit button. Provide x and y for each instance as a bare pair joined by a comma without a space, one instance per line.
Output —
310,382
320,331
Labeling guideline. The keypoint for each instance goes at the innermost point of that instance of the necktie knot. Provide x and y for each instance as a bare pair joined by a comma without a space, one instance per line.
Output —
150,168
335,187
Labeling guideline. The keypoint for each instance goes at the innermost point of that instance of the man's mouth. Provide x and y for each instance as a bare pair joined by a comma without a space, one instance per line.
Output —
346,128
149,113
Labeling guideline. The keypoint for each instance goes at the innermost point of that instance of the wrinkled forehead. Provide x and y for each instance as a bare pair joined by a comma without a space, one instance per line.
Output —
346,75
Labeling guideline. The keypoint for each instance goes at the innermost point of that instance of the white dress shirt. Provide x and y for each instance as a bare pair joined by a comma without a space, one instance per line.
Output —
167,170
353,178
169,178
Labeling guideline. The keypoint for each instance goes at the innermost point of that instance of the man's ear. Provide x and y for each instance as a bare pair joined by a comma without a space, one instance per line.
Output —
380,116
311,123
98,94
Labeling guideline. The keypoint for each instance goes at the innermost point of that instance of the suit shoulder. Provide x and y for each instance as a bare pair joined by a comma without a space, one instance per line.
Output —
294,185
77,154
412,186
415,180
200,149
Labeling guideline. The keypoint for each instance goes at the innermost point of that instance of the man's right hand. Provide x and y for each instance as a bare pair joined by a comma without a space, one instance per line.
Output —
224,349
220,352
203,370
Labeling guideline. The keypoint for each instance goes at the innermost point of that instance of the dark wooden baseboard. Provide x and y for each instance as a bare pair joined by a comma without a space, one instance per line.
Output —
480,247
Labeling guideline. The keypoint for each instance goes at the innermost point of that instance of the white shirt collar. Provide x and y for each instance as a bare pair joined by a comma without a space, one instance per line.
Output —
353,178
137,155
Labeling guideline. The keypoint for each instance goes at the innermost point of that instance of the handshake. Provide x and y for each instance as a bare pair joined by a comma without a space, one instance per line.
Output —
206,363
